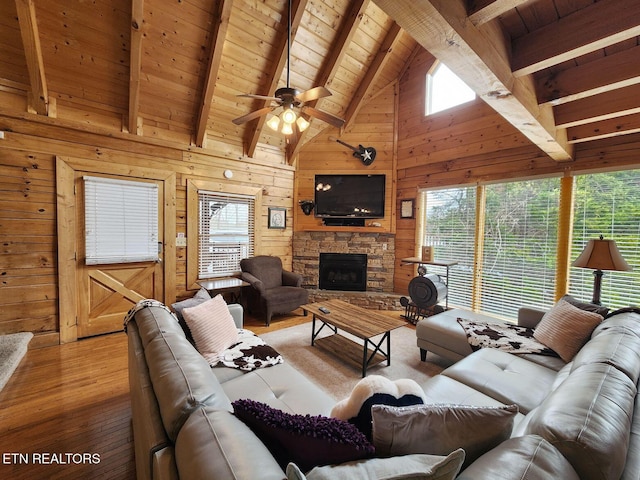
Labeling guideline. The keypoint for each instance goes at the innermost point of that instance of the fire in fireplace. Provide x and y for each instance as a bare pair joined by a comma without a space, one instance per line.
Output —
343,271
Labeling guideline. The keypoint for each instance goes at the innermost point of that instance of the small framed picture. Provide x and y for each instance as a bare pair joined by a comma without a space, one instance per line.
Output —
407,208
277,217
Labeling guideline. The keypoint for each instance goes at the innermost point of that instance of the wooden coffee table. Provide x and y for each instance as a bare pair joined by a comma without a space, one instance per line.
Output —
359,322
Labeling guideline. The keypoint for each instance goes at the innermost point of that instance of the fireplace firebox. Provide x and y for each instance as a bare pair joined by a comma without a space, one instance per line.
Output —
343,271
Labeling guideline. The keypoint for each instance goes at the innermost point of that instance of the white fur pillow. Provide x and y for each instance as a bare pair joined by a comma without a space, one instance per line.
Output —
212,327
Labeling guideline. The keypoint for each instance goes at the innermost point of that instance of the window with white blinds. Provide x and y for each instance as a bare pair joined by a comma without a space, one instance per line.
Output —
520,246
450,229
121,221
608,204
226,233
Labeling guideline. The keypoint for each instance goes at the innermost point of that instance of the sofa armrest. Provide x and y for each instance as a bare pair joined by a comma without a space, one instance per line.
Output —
253,281
530,316
291,279
237,312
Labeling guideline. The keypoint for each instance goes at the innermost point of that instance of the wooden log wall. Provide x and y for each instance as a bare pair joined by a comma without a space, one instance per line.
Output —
28,259
471,144
374,127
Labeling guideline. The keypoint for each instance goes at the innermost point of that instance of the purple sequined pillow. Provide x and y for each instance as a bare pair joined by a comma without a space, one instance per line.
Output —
306,440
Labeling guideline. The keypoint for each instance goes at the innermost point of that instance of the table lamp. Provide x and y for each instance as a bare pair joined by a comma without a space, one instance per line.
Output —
601,255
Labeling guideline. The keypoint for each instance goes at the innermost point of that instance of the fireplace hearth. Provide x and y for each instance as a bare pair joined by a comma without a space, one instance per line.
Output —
343,271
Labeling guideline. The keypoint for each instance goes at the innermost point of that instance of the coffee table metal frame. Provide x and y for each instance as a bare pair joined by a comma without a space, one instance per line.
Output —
362,323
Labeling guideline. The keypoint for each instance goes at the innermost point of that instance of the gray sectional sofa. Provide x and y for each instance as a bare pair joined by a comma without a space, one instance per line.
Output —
578,421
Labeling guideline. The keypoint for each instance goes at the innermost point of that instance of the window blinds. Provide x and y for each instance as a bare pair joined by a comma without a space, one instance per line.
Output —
607,204
226,233
520,246
450,230
121,221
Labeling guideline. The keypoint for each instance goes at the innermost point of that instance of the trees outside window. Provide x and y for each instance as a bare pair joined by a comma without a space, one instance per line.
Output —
517,240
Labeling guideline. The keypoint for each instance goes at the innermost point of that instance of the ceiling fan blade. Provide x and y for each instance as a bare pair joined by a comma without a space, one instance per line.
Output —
324,116
259,97
313,94
250,116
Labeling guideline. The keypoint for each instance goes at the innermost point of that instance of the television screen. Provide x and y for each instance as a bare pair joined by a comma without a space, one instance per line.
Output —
349,196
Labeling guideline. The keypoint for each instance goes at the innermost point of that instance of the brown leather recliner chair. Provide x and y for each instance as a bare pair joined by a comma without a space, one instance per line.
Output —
273,290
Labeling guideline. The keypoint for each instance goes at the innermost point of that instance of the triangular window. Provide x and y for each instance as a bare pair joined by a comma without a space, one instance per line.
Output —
445,90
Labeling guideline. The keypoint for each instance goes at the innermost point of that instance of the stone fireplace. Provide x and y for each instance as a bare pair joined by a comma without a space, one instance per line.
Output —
343,271
379,249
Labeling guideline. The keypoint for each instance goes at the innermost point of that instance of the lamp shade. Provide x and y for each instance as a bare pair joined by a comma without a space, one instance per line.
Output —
601,255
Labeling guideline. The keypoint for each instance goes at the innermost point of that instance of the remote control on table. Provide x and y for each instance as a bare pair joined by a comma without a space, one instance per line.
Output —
324,310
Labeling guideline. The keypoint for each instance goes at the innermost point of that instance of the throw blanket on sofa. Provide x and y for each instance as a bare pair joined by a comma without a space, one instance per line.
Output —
249,353
145,304
505,337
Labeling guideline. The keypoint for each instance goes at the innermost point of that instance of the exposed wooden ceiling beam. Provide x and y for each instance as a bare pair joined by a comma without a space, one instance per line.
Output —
275,73
616,103
135,62
606,73
375,69
443,29
218,34
333,60
483,11
597,26
605,129
33,55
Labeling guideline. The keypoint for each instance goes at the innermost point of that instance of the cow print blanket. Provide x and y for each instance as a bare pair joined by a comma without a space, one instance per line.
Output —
502,336
249,353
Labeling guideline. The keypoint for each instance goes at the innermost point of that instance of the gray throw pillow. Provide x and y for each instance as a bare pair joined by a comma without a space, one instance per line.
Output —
422,467
200,297
440,429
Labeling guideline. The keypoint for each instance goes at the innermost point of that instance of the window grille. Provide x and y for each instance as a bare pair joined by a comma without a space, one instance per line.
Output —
121,221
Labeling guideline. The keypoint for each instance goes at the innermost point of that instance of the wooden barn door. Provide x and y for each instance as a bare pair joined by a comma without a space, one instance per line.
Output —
94,299
106,292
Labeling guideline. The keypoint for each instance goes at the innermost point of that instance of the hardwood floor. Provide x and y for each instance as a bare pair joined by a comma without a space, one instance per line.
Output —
74,399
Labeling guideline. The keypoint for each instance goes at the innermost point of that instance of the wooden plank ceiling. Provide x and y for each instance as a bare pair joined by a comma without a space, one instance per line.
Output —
561,71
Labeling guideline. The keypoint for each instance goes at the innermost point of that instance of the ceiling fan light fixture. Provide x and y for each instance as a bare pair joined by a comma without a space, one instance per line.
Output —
287,129
302,123
288,116
274,123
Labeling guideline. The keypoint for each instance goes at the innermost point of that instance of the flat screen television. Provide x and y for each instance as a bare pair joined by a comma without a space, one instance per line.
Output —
349,196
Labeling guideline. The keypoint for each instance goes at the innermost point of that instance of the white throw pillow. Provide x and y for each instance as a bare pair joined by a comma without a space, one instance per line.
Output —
212,327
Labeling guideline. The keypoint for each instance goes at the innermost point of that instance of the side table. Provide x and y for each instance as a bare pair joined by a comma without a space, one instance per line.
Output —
231,285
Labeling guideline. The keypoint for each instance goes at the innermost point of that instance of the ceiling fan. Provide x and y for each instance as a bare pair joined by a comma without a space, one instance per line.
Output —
289,100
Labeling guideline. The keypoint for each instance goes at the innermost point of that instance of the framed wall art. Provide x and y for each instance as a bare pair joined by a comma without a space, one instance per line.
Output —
407,208
277,217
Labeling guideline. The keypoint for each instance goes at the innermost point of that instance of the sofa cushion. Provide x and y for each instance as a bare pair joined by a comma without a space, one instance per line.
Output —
307,440
526,458
182,380
215,444
586,306
419,467
212,327
282,387
440,429
566,328
505,377
618,347
588,419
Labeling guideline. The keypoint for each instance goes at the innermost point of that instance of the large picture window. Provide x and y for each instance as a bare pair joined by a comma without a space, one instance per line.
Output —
516,243
226,233
608,204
